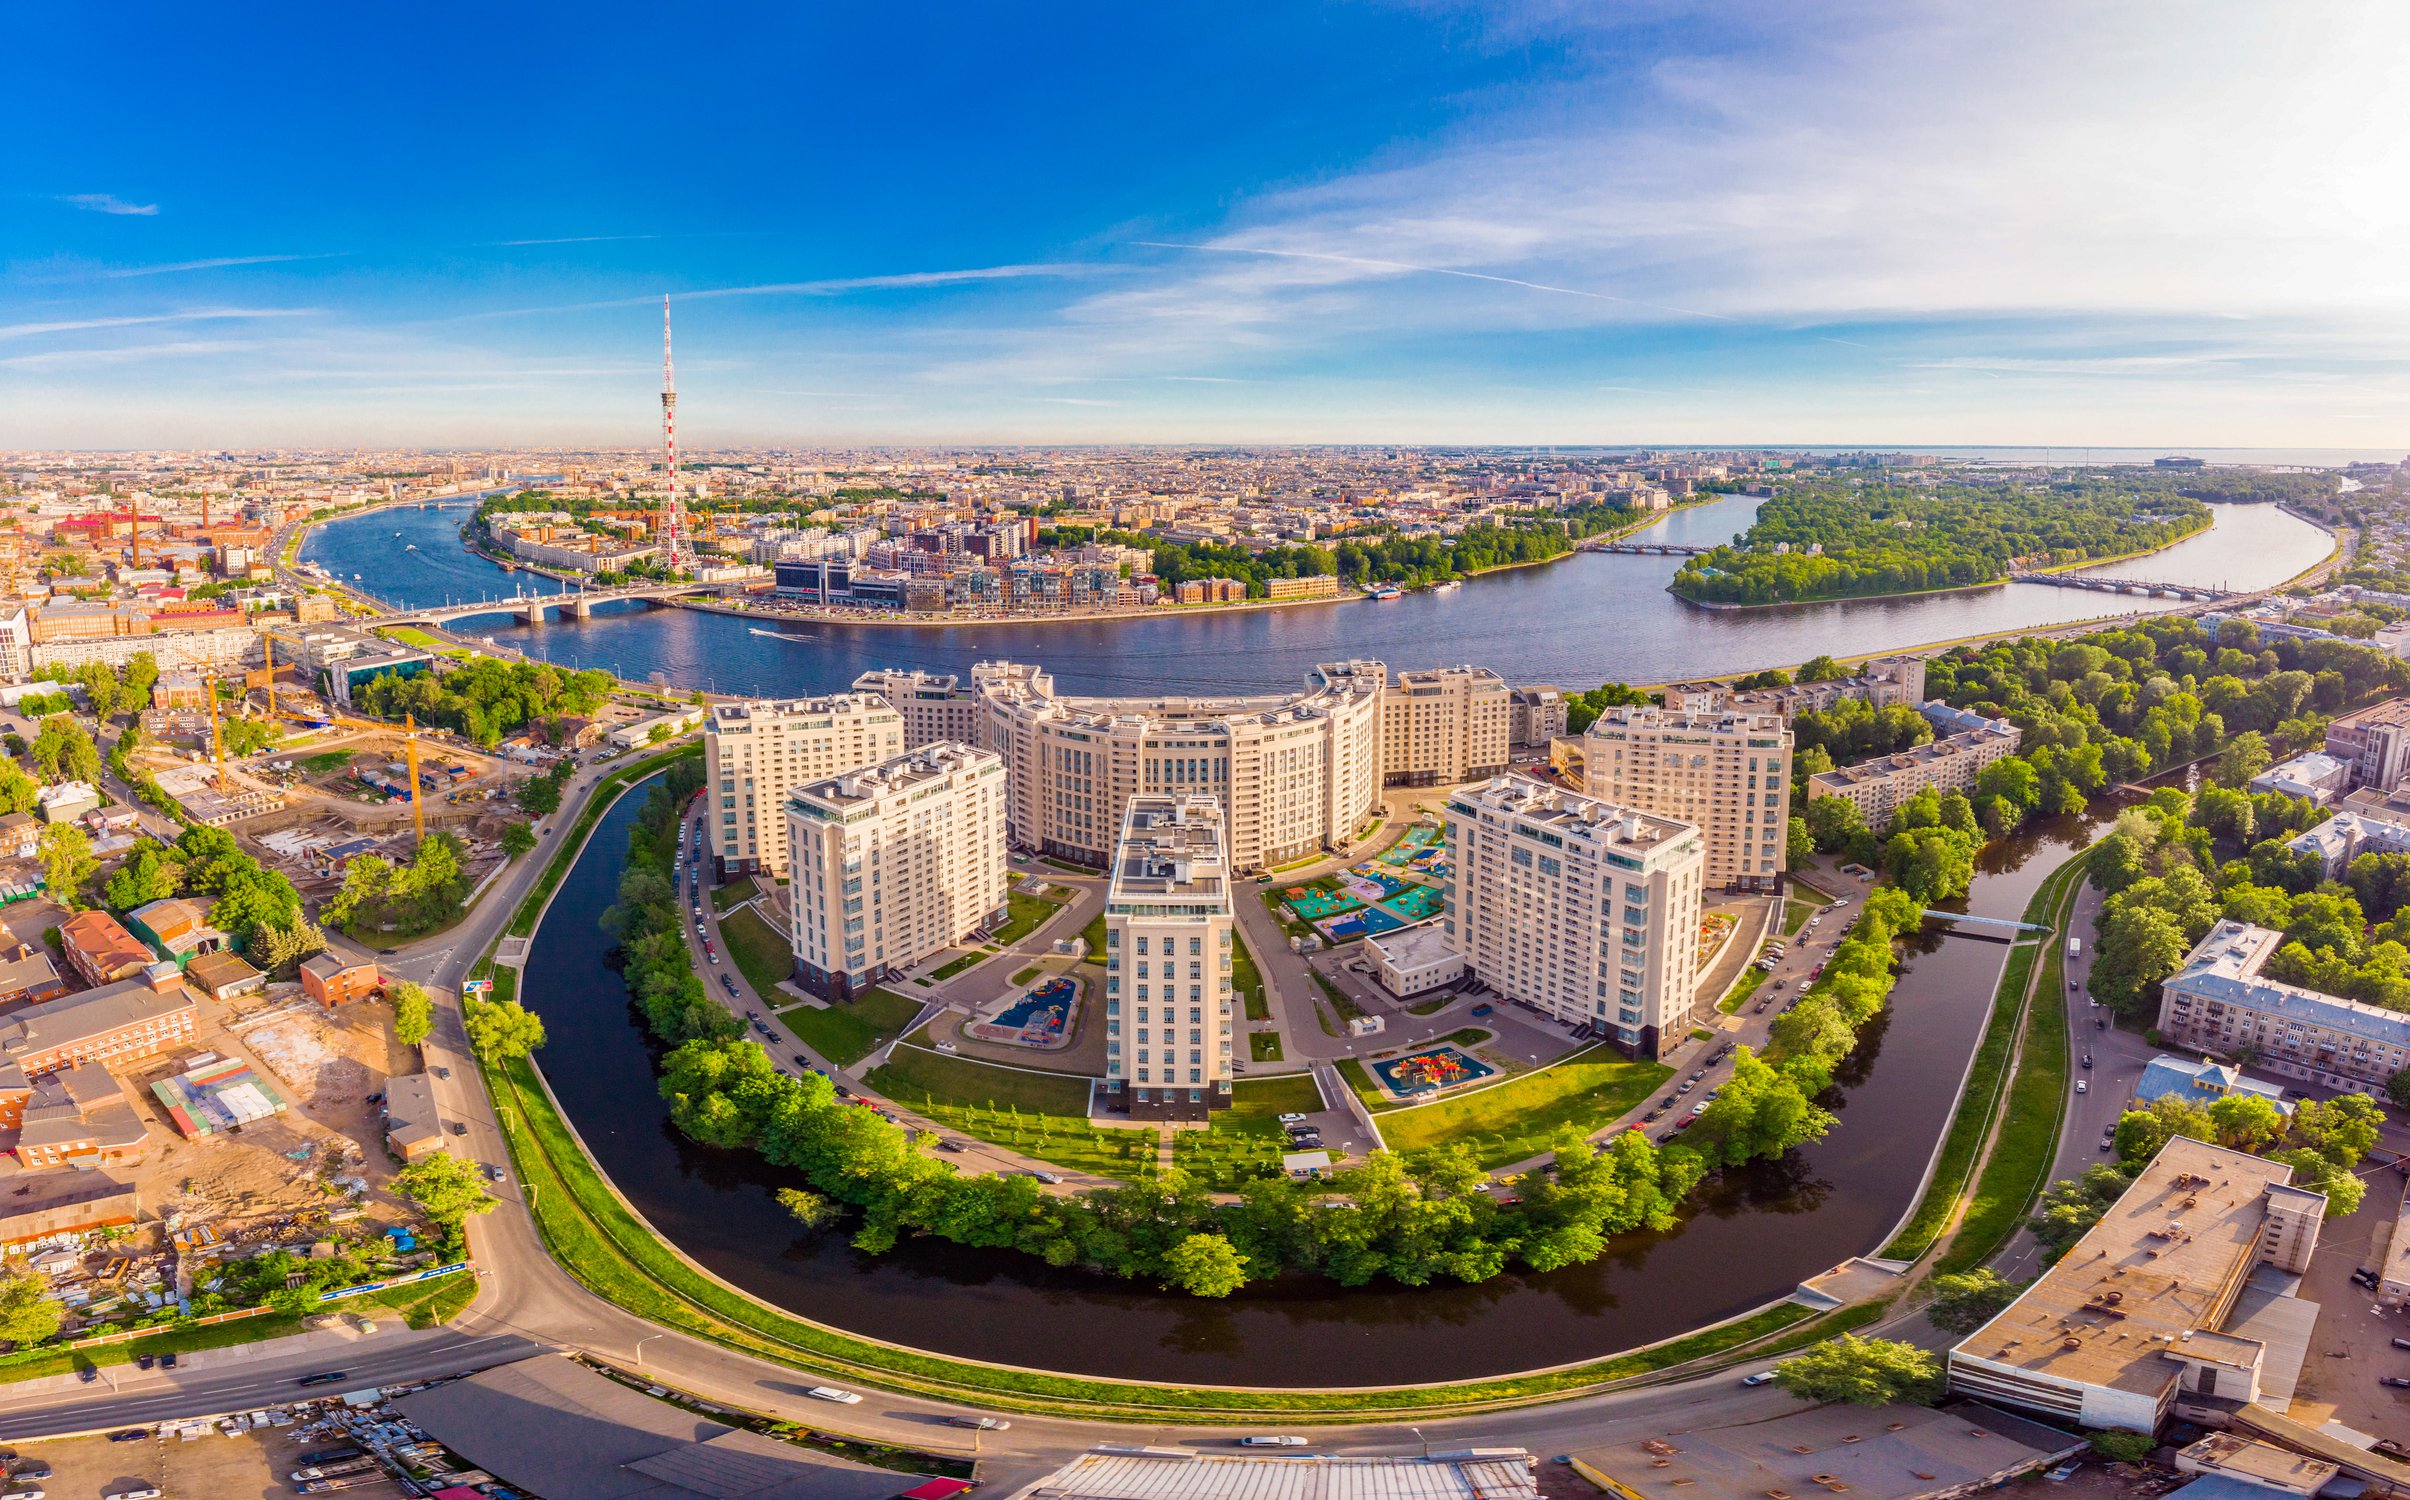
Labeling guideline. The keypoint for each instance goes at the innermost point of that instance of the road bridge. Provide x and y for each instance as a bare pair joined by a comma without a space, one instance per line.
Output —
1648,549
2100,585
576,604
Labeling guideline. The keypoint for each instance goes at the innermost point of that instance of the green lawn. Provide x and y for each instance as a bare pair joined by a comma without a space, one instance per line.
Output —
1290,1093
1094,936
1742,989
1263,1046
325,761
1027,914
757,950
1795,915
1359,1078
1246,978
956,965
848,1031
1024,976
1468,1036
1514,1120
414,638
1340,1000
1044,1115
735,893
1246,1140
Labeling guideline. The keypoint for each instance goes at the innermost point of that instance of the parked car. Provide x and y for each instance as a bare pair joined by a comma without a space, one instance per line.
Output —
32,1468
153,1492
2398,1382
144,1362
2108,1143
329,1377
1483,1009
1292,1118
804,1063
130,1435
167,1361
947,1047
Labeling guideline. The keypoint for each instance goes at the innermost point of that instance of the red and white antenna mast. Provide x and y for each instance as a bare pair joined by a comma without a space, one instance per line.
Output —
673,520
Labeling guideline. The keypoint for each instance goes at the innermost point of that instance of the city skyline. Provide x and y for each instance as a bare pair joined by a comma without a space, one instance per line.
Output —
1714,224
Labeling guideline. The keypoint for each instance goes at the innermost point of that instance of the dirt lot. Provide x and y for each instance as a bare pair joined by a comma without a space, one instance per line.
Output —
249,1466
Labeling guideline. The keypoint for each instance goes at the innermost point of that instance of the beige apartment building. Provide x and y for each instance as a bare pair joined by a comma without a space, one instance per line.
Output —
1170,1014
1583,910
893,862
755,753
1950,764
1726,770
1294,773
935,706
2219,1001
1445,725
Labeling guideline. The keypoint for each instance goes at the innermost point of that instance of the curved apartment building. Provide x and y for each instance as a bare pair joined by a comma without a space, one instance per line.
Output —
1294,773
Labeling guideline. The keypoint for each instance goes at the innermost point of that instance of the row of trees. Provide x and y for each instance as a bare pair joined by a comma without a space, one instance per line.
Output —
1843,538
418,894
1408,1219
255,906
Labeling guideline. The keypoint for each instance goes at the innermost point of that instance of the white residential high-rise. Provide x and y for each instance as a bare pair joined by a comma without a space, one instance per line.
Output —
755,753
892,863
1727,770
1445,725
1587,911
1170,1014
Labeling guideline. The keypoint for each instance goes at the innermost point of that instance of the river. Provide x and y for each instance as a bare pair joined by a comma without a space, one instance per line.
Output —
1576,622
1748,1239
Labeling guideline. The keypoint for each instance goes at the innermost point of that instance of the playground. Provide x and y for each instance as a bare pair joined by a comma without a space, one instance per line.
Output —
1430,1070
1416,903
1371,921
1039,1018
1417,842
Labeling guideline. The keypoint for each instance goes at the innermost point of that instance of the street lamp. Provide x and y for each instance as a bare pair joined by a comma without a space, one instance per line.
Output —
640,1343
1418,1437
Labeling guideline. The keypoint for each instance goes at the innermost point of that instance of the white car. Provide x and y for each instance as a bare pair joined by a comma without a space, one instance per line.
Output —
1292,1118
831,1393
1272,1440
947,1047
2081,1087
1762,1377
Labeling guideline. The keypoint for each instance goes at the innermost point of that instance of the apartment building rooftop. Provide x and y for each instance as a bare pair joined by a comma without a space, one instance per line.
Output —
1724,717
2148,1285
1171,846
839,795
1571,813
2225,966
70,1019
744,714
1939,750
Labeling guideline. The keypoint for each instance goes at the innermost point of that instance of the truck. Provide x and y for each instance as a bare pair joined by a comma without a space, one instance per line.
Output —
2075,947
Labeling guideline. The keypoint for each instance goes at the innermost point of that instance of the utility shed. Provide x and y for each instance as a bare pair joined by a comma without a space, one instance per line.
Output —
552,1426
1115,1473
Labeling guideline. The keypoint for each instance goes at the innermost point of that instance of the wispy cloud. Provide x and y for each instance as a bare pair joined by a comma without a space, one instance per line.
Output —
830,287
1371,263
124,353
216,264
109,203
189,315
575,239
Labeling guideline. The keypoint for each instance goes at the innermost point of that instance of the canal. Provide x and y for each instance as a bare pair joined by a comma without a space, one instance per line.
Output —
1749,1238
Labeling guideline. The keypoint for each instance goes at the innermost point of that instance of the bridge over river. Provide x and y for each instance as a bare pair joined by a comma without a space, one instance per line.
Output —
576,604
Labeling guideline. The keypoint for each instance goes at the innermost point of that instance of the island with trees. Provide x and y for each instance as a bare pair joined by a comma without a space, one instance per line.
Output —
1825,539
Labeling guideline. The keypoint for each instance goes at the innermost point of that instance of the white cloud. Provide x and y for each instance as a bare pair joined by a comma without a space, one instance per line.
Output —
134,320
108,203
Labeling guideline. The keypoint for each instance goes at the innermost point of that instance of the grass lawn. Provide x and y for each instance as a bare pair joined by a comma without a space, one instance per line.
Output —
757,950
1795,915
1094,936
1468,1036
956,965
1430,1007
1044,1115
1267,1098
1027,915
1246,978
848,1031
415,638
1514,1120
1359,1078
1742,989
325,761
1024,976
735,893
1067,867
1246,1140
1263,1046
1340,1001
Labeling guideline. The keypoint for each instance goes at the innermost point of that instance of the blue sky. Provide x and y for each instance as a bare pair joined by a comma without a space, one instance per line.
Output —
2177,224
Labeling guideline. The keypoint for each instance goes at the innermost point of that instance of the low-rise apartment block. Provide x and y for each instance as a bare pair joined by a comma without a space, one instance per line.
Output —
2220,1001
1444,726
99,948
1535,716
2178,1300
1946,765
893,862
1726,770
1583,910
1170,1015
755,753
115,1023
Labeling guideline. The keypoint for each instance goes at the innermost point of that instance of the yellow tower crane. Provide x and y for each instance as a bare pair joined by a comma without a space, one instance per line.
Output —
418,819
217,743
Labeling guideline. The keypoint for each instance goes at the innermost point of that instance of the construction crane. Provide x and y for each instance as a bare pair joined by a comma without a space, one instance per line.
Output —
331,717
217,744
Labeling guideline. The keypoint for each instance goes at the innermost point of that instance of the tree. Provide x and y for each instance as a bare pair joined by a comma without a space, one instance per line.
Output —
445,1188
1862,1372
518,838
413,1014
1965,1301
2397,1088
1836,823
1205,1265
810,1209
503,1030
27,1313
1800,849
278,949
145,877
2123,1447
2245,1122
2245,756
67,862
2314,1172
2343,1129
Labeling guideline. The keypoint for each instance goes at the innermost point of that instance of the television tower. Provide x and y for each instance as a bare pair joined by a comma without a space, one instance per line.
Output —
674,551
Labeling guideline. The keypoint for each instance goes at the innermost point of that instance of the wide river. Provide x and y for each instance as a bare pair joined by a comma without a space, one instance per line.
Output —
1576,622
1749,1239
